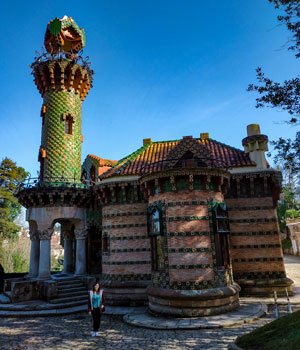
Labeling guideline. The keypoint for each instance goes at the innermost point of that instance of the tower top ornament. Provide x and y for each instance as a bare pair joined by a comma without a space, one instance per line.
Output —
64,35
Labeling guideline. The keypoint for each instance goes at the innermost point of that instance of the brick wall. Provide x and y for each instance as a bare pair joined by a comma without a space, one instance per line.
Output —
188,250
128,256
255,239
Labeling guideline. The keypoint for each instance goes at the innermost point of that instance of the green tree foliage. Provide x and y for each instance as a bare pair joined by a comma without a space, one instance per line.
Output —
10,176
284,95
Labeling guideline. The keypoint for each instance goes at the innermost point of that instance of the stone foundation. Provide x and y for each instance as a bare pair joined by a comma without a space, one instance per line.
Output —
267,288
122,294
193,303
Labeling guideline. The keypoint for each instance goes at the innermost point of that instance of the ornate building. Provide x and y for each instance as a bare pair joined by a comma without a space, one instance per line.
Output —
183,225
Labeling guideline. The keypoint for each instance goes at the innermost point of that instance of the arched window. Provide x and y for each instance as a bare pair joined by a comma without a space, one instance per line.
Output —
155,232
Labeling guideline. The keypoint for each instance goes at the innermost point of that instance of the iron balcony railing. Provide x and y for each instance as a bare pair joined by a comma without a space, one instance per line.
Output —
53,182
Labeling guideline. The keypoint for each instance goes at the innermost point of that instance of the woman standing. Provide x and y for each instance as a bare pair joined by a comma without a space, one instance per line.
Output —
96,307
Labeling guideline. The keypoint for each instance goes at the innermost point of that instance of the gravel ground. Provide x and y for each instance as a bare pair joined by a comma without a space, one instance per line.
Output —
73,332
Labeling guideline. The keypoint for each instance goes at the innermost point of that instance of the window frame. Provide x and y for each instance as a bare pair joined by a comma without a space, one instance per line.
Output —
157,239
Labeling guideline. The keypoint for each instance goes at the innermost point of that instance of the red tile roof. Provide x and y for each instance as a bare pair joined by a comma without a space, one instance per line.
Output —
154,157
102,161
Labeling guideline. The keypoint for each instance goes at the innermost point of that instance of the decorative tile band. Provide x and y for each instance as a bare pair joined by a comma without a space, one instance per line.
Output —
192,285
130,250
257,260
185,203
127,277
123,226
189,250
130,213
239,221
128,238
187,218
190,267
262,207
126,262
256,246
188,233
259,275
255,233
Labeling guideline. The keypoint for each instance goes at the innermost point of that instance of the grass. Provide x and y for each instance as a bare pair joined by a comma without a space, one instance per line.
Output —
281,334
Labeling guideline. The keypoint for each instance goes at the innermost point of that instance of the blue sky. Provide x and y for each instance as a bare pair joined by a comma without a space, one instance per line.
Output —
163,69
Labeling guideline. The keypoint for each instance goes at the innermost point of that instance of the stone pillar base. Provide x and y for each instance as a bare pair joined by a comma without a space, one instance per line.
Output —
193,303
126,293
266,287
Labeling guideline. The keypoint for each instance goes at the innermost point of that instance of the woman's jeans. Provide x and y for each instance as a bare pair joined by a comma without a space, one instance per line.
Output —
96,319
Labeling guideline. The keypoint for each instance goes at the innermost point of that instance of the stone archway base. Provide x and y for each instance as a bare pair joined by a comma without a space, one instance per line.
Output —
193,303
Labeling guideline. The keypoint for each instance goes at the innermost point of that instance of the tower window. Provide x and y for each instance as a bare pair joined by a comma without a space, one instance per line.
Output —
69,125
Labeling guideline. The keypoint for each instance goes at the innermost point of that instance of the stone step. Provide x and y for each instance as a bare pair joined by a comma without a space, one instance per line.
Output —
38,305
69,282
72,289
4,299
41,313
82,298
66,294
7,294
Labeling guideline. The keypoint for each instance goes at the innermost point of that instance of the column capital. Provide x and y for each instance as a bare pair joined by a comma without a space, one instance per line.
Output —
34,235
45,234
81,233
67,234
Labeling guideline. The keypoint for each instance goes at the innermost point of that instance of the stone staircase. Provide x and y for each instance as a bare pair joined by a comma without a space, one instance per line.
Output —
72,297
71,292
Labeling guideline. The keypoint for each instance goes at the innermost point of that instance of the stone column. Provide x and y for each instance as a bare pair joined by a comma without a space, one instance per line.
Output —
34,254
45,249
66,230
80,264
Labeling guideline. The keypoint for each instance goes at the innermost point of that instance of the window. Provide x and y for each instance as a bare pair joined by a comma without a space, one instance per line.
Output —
69,125
105,243
258,187
155,233
42,156
244,188
92,174
154,226
221,234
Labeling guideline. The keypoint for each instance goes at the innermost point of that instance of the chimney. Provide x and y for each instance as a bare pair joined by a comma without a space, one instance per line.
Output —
256,144
147,141
204,136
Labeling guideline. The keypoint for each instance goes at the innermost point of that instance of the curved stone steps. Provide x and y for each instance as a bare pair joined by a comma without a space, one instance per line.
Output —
42,313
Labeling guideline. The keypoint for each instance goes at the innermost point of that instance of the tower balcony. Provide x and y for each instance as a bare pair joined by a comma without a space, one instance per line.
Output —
62,73
54,191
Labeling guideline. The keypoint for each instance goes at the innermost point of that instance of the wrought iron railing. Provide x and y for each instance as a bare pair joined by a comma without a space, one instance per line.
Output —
53,182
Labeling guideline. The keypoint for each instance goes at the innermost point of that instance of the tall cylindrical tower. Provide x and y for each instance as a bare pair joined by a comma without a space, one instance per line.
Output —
63,80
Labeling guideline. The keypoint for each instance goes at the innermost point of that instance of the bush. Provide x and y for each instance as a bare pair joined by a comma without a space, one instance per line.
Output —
286,243
292,213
